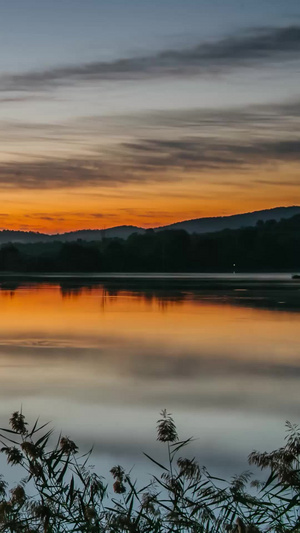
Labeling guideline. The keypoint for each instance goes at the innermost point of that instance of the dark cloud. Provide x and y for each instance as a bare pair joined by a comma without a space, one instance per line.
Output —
252,119
204,154
257,115
59,173
242,50
52,218
268,120
286,183
161,146
22,99
149,160
100,215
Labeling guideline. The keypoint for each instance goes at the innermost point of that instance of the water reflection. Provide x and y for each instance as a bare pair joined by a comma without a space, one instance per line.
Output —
101,360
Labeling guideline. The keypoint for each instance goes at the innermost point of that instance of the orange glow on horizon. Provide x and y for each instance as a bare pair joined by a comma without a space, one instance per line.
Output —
146,205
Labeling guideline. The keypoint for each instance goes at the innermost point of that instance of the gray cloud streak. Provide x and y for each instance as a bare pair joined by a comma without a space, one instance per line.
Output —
247,49
161,146
64,173
259,120
198,153
149,160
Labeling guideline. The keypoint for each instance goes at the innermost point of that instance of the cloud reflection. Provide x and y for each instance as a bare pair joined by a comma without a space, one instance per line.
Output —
103,372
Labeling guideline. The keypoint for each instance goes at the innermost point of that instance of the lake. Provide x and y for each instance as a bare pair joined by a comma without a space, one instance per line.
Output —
101,359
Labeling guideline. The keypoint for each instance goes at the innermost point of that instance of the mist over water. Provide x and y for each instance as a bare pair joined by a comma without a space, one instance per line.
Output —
100,361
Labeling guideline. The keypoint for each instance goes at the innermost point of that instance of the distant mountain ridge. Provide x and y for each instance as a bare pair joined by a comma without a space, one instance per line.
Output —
212,224
199,225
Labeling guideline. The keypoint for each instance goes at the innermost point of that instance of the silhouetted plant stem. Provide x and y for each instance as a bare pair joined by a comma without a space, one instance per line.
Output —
184,499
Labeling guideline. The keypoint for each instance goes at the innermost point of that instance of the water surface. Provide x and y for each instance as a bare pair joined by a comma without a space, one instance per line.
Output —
100,361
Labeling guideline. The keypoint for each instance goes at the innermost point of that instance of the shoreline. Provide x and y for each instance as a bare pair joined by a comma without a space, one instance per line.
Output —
165,281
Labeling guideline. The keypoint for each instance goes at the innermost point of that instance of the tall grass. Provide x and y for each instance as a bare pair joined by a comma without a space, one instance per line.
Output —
60,493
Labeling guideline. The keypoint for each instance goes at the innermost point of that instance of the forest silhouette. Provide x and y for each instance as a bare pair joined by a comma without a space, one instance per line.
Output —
269,246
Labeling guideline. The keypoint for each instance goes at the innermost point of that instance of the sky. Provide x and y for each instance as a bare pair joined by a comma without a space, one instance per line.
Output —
146,113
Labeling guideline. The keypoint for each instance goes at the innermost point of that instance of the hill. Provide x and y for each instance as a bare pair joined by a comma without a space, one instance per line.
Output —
121,232
198,225
212,224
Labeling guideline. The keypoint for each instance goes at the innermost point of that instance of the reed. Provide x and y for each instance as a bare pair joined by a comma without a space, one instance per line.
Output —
60,493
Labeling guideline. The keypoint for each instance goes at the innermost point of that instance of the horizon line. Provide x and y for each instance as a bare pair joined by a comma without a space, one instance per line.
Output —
153,227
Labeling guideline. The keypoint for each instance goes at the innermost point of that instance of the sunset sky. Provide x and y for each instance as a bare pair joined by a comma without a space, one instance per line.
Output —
146,112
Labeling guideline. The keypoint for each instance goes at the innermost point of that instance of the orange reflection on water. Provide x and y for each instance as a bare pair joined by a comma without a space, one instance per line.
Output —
208,325
104,359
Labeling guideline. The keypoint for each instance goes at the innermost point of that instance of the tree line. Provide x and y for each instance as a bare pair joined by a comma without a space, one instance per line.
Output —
269,246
